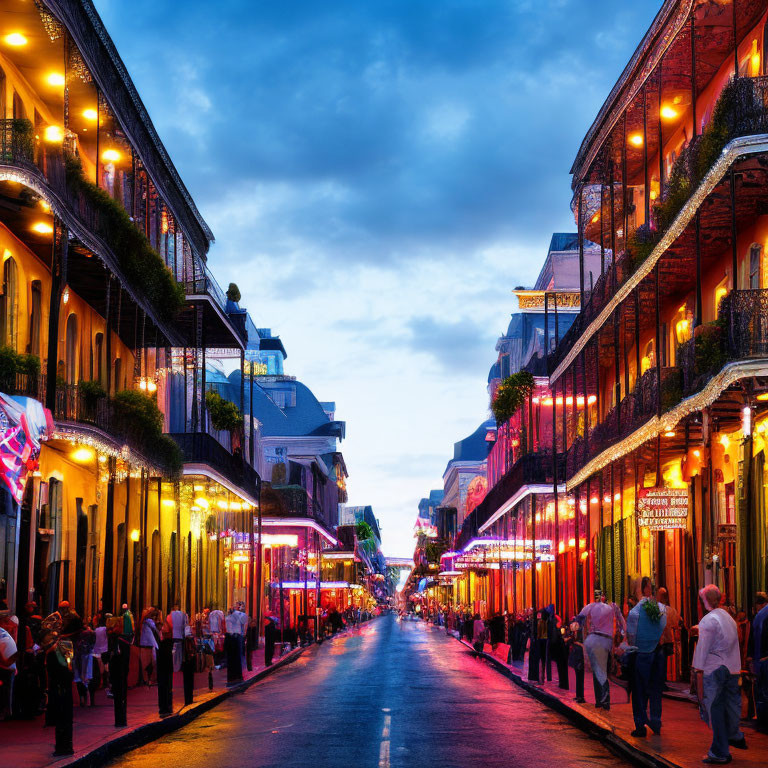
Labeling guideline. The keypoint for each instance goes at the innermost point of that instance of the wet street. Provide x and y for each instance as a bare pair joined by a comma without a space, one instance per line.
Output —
393,694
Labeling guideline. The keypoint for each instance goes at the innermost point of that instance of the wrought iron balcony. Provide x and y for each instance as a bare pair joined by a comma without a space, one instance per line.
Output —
202,448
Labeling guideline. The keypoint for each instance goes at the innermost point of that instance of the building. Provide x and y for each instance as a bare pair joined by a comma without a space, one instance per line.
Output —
495,564
665,466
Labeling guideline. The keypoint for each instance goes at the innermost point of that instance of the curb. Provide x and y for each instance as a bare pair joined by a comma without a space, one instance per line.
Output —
581,720
144,734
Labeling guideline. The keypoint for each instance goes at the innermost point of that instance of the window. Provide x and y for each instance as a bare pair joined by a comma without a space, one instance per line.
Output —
98,353
71,359
720,292
19,112
9,303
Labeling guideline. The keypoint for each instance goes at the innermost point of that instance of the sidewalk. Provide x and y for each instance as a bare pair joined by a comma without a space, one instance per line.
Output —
684,738
29,743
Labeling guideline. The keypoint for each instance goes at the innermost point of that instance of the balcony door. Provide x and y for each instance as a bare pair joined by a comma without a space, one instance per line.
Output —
71,358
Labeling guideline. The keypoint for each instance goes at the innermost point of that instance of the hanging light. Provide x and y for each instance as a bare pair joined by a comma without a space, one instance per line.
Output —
16,39
53,134
55,78
90,114
636,139
110,156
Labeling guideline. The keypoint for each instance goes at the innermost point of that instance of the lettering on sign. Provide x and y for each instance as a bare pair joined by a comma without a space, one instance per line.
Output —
535,299
662,509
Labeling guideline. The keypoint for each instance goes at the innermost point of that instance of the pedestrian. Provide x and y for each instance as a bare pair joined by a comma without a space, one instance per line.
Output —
9,621
717,665
668,641
575,645
600,625
542,641
559,654
8,656
188,665
645,626
758,653
83,666
270,636
58,664
122,631
179,621
148,643
232,647
101,648
478,633
165,669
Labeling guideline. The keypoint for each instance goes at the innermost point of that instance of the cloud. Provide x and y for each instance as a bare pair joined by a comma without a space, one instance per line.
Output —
459,346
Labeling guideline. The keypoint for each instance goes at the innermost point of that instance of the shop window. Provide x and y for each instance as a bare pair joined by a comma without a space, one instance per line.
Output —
71,358
9,304
35,314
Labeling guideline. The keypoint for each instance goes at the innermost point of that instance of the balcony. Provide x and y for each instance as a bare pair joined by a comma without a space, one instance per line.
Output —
532,469
224,321
117,422
740,333
736,133
97,224
202,448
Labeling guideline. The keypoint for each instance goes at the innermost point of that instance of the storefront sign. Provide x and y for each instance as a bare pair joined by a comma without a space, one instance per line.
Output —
661,509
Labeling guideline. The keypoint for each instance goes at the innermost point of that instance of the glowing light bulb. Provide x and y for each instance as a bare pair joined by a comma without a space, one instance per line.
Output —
90,114
636,139
110,155
55,78
53,134
16,39
135,535
42,228
83,454
668,113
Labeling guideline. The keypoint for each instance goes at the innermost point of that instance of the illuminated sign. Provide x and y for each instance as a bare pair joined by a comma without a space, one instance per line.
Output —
490,553
535,299
662,509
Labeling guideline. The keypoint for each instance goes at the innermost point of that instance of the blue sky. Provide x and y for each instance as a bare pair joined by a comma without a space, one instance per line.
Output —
379,176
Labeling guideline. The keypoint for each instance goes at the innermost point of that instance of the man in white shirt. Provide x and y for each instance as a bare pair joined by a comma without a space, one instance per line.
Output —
601,620
216,621
717,665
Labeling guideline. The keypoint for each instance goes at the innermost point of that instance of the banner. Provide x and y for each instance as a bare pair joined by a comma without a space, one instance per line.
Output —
24,424
661,509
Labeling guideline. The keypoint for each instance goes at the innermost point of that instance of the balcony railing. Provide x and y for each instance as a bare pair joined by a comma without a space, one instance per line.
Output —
74,405
740,333
200,447
204,283
17,142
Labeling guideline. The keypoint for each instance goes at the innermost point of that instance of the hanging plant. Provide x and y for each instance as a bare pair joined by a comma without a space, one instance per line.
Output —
224,414
511,394
652,610
363,531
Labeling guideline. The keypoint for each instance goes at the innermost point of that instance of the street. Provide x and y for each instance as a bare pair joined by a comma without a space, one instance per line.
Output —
392,694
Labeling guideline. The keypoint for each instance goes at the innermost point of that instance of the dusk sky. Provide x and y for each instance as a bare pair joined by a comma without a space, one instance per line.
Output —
379,176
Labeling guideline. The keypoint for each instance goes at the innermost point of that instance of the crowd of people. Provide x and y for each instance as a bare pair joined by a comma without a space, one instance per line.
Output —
727,655
45,663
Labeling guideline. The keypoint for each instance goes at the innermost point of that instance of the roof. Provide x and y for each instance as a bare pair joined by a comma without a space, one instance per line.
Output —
474,447
273,343
305,418
564,241
111,75
494,372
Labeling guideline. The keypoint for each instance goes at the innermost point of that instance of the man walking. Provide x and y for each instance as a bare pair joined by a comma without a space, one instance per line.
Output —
717,665
758,652
645,625
600,622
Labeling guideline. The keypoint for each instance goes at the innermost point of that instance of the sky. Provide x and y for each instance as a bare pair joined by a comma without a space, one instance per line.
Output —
379,176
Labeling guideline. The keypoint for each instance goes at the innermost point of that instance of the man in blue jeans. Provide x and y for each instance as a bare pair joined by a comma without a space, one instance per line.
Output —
645,625
717,666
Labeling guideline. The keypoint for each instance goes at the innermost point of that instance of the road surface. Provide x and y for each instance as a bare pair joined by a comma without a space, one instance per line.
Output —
391,695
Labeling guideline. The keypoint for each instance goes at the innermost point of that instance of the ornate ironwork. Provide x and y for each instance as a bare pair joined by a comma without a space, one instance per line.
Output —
53,27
